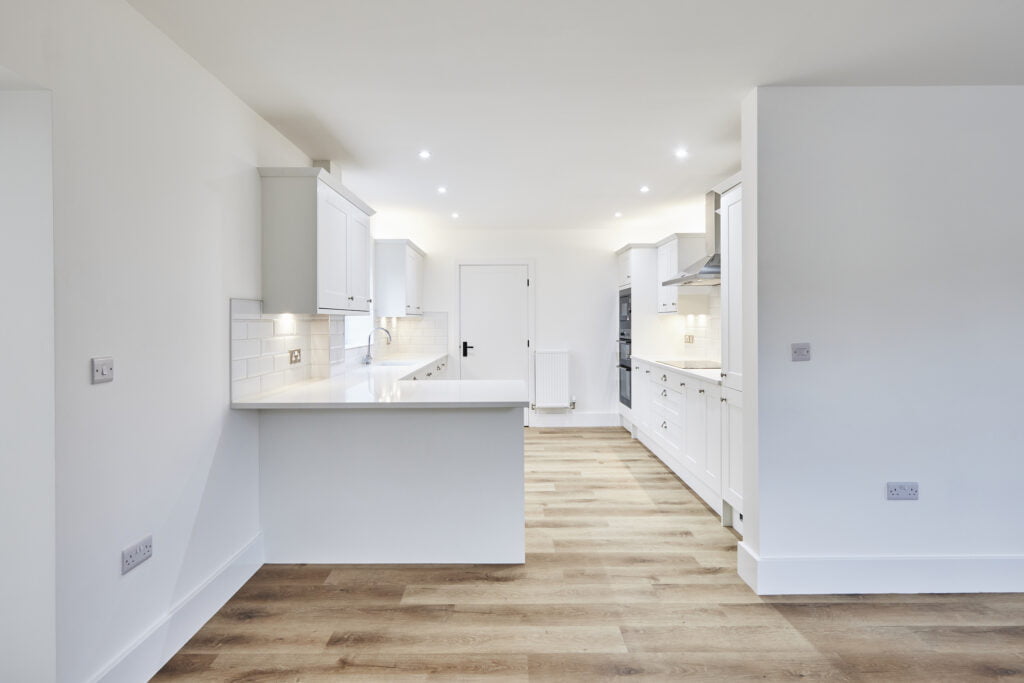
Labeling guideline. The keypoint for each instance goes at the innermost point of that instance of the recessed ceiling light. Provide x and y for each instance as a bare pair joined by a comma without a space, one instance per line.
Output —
455,215
442,189
618,214
681,153
424,154
645,189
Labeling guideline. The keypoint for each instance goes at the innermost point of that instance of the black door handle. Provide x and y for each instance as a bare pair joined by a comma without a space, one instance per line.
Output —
465,349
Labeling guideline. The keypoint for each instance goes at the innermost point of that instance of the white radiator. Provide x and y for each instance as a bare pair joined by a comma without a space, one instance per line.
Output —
551,380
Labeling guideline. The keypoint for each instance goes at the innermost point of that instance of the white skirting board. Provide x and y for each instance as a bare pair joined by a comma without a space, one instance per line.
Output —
843,575
143,658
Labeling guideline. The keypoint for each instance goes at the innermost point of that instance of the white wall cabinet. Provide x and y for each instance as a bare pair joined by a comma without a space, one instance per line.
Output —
674,253
625,273
317,249
731,232
398,278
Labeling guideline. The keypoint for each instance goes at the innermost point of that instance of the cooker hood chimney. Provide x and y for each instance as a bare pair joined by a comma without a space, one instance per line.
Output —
708,270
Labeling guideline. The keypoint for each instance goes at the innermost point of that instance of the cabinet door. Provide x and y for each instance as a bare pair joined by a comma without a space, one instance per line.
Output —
696,425
732,273
331,250
413,282
732,448
358,261
642,394
712,474
624,274
668,262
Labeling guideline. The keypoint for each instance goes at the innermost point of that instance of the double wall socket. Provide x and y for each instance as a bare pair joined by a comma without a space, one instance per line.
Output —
136,554
901,490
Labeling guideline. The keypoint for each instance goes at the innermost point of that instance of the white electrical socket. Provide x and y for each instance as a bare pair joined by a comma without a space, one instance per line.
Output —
136,554
901,490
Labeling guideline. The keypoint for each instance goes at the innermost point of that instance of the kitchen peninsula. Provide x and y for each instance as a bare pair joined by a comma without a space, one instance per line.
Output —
374,466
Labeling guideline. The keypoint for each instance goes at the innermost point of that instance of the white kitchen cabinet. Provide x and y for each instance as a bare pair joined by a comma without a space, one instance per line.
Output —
317,249
675,253
636,268
642,393
731,221
625,273
398,278
732,448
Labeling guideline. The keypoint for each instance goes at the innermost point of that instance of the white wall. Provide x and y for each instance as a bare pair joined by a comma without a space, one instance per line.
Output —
889,236
156,223
27,592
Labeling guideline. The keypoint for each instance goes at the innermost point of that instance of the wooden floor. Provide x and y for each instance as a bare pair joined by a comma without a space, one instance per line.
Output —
627,575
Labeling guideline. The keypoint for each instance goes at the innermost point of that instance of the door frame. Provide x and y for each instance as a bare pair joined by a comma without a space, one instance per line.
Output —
455,330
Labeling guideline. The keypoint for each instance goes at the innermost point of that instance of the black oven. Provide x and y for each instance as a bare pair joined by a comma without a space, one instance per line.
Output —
625,348
626,385
625,314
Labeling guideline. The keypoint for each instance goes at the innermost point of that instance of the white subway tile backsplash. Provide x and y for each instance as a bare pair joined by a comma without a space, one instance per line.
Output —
273,345
259,366
245,348
284,327
261,329
260,345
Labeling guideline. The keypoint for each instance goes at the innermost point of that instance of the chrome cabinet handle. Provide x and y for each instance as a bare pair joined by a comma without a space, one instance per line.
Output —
369,301
700,391
664,378
647,372
682,384
664,393
351,298
430,374
723,400
723,374
664,425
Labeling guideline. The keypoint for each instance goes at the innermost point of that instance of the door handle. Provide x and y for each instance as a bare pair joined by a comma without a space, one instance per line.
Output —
465,349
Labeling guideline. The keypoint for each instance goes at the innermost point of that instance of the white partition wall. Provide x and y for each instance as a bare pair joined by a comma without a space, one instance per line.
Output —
27,620
888,235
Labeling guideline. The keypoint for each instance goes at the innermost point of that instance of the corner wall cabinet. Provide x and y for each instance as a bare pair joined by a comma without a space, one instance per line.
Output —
398,278
317,249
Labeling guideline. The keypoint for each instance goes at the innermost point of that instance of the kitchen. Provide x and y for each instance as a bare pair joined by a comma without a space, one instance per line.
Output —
157,458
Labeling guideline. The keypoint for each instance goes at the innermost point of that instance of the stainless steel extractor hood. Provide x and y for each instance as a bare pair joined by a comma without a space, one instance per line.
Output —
708,270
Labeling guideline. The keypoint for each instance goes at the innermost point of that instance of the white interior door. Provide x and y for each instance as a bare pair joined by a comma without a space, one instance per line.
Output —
494,322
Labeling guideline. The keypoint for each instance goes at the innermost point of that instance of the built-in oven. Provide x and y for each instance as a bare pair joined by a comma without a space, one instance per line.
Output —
625,314
625,352
626,385
625,347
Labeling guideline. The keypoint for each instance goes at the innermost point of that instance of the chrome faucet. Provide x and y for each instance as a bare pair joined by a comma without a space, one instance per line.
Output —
369,344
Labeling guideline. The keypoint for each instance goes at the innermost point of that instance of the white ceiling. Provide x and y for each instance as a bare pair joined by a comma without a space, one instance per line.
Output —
553,113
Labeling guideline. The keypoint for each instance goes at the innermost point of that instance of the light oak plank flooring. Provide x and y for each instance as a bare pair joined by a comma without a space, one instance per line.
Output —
628,575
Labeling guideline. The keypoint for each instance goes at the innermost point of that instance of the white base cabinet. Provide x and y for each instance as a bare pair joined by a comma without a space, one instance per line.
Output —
684,421
317,249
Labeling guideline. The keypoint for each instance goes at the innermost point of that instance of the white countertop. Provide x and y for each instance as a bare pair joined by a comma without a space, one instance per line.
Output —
714,375
382,386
